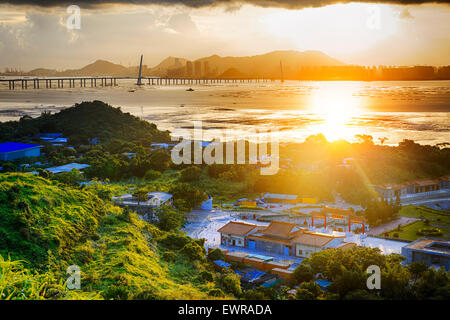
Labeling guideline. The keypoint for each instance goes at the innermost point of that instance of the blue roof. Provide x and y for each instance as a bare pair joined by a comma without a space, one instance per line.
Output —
15,146
50,135
323,283
222,264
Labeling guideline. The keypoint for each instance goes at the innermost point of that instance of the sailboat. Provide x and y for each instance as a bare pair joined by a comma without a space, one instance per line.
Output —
281,70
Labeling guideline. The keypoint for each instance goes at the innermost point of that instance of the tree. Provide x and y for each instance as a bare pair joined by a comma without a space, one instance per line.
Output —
159,160
140,194
231,283
190,174
169,219
152,175
190,195
308,291
303,273
417,269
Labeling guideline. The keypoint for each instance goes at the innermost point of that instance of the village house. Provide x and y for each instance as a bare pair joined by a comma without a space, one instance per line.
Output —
68,167
246,202
310,242
279,238
235,233
397,192
423,186
10,151
433,252
391,192
445,182
275,238
153,200
281,198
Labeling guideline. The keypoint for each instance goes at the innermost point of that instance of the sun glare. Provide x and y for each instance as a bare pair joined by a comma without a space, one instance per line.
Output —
335,106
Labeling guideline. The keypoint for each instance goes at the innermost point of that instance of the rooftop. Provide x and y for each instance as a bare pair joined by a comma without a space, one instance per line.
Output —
16,146
237,228
68,167
313,239
264,238
433,246
279,229
424,182
281,196
153,198
391,186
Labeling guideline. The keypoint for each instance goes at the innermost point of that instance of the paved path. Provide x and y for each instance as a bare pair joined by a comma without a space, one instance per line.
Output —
390,225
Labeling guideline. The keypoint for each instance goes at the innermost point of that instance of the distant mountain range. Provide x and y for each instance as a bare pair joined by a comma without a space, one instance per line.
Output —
264,65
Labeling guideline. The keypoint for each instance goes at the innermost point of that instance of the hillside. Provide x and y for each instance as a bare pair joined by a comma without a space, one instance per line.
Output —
258,65
51,226
269,64
98,68
85,121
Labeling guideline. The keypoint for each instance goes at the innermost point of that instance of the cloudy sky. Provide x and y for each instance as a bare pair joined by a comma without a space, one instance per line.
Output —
357,33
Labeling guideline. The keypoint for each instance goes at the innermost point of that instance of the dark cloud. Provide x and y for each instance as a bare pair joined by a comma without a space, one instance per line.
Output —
289,4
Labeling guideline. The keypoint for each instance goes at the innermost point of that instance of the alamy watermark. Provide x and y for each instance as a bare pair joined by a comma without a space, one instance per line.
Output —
74,20
374,280
214,152
74,280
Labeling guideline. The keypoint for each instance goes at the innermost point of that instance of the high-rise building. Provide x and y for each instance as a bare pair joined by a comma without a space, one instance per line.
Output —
205,68
189,68
198,68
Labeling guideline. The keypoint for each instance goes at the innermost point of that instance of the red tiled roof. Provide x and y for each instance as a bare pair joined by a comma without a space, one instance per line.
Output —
269,239
279,229
237,228
423,183
312,239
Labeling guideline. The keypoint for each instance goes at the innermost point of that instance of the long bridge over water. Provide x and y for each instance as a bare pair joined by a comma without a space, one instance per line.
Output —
91,82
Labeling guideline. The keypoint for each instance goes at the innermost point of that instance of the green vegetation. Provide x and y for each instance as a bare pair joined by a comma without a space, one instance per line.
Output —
85,121
346,270
49,222
431,219
46,226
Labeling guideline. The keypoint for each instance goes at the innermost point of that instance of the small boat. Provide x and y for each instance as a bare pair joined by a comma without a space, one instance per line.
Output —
132,90
190,89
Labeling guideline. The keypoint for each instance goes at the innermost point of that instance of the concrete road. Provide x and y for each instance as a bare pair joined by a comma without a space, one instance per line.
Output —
390,225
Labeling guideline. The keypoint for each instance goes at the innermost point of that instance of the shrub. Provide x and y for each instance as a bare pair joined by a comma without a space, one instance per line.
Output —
303,294
175,240
231,283
152,175
303,273
206,276
116,293
395,235
169,256
430,232
193,251
190,174
216,293
216,254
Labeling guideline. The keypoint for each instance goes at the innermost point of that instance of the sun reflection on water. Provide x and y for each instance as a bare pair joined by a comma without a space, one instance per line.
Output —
335,107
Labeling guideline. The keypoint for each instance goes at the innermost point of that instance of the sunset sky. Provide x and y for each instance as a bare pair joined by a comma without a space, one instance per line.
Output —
355,33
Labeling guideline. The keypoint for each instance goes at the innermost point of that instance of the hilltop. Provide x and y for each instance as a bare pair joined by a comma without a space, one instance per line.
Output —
84,121
46,226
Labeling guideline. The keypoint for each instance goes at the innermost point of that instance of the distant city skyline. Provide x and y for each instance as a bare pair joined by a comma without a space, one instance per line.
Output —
354,33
